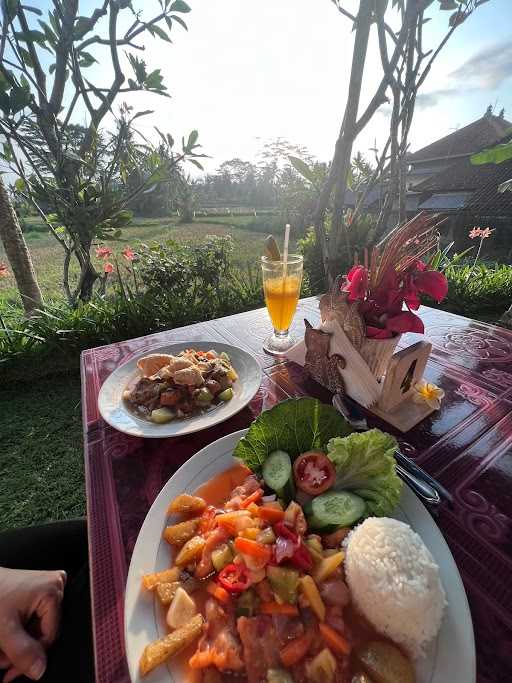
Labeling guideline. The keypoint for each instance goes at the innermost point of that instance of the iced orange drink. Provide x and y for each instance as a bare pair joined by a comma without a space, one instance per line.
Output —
281,286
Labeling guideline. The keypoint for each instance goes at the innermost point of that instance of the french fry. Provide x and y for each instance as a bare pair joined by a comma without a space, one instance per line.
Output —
166,591
178,534
157,652
151,581
190,551
186,503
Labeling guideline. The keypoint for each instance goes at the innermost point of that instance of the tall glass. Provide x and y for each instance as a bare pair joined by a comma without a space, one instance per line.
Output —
281,286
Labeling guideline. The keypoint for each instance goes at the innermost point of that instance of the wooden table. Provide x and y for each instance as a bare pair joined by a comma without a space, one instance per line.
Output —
467,445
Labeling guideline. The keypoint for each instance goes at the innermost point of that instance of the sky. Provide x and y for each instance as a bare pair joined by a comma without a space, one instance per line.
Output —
248,71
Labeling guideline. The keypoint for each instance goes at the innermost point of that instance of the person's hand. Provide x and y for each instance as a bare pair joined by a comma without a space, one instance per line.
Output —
29,620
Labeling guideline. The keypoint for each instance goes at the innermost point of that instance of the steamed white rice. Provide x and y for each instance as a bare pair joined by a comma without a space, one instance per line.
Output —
394,582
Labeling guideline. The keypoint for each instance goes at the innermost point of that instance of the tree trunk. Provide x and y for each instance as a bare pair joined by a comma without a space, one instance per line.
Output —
18,254
337,177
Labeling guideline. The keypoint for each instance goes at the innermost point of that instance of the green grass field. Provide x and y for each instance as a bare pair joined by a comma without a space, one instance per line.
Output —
41,455
47,254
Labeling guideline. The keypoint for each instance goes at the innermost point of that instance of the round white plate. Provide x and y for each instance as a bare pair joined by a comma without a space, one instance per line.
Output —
451,657
114,411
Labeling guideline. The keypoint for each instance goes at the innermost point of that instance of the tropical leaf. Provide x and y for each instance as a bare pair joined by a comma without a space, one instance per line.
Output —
493,155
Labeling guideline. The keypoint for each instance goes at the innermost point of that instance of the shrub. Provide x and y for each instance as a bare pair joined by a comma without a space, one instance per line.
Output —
481,291
169,286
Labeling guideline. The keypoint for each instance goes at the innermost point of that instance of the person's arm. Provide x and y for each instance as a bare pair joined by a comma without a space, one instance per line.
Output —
29,619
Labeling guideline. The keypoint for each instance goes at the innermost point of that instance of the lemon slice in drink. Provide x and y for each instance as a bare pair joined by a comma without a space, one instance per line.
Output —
271,249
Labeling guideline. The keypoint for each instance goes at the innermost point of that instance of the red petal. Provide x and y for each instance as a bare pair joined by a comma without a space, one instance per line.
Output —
377,333
433,283
405,322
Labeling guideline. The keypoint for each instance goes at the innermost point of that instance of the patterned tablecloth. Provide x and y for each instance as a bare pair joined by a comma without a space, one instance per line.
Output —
467,445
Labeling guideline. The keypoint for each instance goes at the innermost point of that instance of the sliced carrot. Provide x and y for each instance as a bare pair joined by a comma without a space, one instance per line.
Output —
252,548
334,640
201,659
218,592
270,514
253,498
295,650
278,608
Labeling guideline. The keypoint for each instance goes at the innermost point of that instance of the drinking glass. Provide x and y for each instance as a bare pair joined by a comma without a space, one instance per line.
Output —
281,286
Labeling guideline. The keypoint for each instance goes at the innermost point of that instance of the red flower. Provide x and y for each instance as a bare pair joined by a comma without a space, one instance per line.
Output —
405,322
433,283
128,253
4,271
108,267
357,283
378,333
103,252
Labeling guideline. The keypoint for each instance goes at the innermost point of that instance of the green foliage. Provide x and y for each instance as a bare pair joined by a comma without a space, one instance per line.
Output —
494,155
83,183
172,285
481,291
365,465
361,235
294,426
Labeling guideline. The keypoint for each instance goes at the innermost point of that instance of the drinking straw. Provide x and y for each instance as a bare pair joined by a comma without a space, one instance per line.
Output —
286,241
285,263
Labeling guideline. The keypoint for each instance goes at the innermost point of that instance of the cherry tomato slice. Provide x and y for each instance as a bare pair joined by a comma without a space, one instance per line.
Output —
234,578
314,472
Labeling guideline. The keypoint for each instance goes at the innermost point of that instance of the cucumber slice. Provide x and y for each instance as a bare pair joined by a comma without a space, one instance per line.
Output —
334,508
277,474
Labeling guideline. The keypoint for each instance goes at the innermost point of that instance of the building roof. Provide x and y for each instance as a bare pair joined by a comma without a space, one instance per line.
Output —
486,200
484,132
452,201
460,176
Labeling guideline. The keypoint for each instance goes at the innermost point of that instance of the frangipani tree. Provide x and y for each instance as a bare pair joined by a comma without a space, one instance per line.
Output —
406,62
80,199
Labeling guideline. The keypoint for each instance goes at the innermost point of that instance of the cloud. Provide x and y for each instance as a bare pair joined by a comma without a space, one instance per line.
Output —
431,99
487,69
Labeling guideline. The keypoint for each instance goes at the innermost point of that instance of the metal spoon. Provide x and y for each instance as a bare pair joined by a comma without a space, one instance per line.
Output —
427,493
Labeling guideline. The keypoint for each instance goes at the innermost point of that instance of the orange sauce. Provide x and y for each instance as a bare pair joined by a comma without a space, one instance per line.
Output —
216,490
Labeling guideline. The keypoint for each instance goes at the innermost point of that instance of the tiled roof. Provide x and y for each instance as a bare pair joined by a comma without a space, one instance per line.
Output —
459,176
484,132
487,201
451,201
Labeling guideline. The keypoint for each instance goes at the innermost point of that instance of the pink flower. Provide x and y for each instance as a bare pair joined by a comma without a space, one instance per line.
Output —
103,252
108,267
4,271
128,253
475,232
485,233
357,283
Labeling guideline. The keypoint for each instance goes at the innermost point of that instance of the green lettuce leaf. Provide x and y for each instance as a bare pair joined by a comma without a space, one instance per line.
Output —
294,426
365,464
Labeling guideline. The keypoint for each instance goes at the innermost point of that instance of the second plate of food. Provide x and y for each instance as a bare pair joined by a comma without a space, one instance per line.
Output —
179,389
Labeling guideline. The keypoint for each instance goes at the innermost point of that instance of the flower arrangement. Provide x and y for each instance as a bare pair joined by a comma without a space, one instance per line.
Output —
394,276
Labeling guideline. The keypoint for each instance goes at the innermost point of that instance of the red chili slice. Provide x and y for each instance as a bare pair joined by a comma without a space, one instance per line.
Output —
234,578
314,472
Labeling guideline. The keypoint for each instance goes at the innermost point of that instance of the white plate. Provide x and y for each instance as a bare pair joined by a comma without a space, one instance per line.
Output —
450,659
114,411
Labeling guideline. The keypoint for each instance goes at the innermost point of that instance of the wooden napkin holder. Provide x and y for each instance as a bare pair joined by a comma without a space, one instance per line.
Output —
405,369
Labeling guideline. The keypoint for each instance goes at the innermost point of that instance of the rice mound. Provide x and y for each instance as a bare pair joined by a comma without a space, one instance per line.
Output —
394,582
